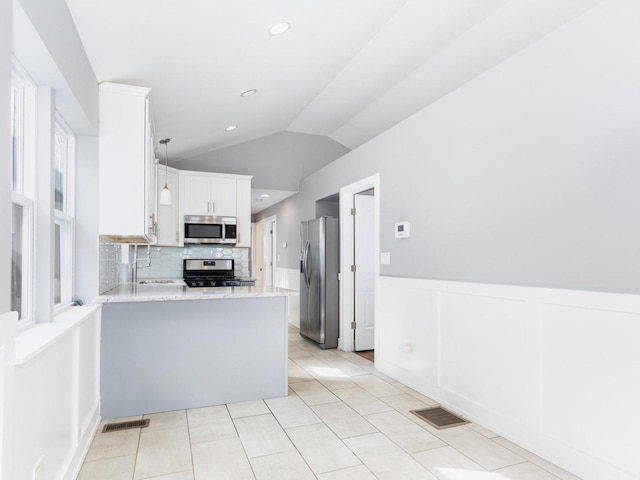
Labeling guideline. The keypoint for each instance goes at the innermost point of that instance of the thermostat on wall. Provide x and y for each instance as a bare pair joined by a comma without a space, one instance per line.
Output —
403,230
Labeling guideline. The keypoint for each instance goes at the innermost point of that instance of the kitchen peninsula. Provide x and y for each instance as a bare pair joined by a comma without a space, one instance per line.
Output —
166,346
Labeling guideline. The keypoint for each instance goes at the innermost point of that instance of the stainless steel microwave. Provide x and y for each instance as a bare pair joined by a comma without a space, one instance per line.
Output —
210,229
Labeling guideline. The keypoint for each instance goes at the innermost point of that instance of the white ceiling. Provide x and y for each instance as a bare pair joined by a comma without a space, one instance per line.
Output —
347,69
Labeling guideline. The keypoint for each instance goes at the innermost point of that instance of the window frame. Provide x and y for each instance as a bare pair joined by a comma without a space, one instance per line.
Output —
23,191
65,218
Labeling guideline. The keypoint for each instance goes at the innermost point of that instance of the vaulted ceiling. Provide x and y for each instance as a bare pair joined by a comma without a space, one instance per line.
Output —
346,69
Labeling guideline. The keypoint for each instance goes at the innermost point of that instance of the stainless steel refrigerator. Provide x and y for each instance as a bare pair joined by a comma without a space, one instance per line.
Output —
319,287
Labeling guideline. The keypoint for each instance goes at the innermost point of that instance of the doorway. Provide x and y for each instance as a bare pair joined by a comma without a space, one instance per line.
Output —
264,255
359,266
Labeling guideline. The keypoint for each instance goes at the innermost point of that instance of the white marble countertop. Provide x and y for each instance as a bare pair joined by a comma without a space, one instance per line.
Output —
177,290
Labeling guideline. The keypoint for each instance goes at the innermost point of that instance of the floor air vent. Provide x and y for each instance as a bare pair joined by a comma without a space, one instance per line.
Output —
439,418
116,427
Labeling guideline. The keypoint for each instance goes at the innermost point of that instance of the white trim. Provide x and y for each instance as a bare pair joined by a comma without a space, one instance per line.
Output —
346,341
274,245
28,256
33,341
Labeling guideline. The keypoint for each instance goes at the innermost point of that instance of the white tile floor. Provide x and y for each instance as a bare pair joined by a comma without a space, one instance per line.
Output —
342,420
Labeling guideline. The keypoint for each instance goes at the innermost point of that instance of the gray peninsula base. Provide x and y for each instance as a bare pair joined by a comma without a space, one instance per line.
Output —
171,355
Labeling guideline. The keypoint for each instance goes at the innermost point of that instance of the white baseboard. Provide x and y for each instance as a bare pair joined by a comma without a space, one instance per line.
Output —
535,365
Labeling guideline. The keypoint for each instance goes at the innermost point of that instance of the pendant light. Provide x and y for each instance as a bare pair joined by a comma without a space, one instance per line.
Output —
165,195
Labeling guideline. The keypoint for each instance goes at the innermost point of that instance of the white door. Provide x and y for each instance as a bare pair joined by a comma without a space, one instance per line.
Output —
364,284
197,195
223,197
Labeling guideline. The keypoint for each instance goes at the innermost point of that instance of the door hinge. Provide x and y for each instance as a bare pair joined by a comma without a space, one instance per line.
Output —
353,268
353,325
353,211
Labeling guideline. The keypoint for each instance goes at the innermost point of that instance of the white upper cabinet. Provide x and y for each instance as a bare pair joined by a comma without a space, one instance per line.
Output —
197,195
209,195
224,195
127,183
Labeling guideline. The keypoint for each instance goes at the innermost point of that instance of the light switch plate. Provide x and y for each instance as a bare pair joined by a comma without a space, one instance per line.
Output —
385,258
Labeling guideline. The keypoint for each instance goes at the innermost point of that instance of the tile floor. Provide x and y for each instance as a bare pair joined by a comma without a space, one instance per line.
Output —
342,420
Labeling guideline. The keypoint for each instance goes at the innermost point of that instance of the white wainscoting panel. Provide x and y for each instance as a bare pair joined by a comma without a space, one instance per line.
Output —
8,333
482,352
555,371
290,278
407,336
587,393
57,394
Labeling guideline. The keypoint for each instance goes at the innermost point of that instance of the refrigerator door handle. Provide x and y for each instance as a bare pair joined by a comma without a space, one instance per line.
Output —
305,264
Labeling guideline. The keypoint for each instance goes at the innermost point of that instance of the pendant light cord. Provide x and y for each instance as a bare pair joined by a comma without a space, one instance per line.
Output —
164,142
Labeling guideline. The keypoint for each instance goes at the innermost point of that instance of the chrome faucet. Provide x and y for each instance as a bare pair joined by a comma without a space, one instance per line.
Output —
135,264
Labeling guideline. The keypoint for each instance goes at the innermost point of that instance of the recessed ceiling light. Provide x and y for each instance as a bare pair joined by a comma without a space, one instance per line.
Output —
265,195
279,28
230,127
248,93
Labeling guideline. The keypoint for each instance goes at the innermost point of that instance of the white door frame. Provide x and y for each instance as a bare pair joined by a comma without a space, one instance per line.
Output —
266,223
347,300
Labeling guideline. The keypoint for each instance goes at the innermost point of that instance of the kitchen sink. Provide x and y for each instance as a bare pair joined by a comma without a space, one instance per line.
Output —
165,281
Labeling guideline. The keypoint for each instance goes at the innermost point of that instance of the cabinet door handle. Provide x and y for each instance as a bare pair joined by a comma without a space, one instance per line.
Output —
213,207
153,227
208,211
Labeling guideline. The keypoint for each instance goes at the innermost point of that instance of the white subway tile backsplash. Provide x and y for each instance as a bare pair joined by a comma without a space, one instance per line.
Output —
166,262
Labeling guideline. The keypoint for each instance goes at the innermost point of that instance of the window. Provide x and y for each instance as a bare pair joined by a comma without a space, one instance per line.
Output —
22,196
26,218
64,158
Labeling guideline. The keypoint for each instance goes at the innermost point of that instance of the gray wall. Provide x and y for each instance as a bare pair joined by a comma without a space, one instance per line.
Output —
277,162
527,175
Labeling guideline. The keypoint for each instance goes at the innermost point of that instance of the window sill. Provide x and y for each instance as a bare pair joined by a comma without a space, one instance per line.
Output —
31,341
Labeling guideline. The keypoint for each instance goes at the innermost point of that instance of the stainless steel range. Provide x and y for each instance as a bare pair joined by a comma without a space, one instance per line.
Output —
210,273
